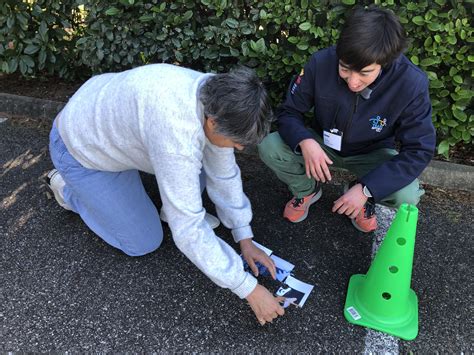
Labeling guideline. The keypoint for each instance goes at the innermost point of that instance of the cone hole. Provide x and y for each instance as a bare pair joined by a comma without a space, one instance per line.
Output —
393,269
401,241
386,295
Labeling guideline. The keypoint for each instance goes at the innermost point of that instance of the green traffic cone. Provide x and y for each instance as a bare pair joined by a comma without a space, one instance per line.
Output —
382,299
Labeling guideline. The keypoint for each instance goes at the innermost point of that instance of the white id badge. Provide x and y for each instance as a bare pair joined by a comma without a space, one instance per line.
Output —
333,139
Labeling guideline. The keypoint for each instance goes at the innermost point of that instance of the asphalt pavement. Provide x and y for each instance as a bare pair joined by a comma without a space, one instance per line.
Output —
64,289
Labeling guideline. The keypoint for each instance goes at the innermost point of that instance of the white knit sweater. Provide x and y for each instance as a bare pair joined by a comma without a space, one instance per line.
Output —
149,118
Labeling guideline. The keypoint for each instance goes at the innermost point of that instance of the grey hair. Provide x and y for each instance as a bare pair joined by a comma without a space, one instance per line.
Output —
239,104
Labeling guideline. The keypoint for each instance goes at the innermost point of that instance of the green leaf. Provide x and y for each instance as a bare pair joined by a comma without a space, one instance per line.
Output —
305,26
443,93
293,39
451,123
453,71
452,40
466,136
436,84
81,40
443,148
234,52
428,61
187,15
146,18
232,22
432,75
10,22
456,134
5,67
109,35
348,2
28,60
258,46
460,115
100,54
43,30
42,56
428,42
23,67
414,59
13,65
31,49
458,79
418,20
112,11
433,26
302,46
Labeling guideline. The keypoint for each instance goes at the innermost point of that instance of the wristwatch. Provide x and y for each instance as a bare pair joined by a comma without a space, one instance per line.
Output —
366,191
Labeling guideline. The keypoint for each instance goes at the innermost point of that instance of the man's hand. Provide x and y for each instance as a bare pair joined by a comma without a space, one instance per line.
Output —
351,202
315,160
265,306
253,254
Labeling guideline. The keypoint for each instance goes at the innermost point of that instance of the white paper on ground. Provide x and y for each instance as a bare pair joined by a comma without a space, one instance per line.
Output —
283,267
296,292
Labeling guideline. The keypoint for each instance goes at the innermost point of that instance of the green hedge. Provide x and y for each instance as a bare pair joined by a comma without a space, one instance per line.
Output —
276,38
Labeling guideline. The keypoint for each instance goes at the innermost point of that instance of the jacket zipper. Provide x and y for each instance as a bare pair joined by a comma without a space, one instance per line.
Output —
349,123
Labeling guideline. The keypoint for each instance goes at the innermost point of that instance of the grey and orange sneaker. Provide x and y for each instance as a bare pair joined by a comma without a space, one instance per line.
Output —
296,210
366,221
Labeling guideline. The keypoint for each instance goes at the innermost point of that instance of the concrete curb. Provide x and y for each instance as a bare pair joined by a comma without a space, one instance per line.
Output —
16,105
438,173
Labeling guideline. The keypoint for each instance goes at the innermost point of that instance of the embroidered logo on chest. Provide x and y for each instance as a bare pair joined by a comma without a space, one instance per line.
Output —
378,123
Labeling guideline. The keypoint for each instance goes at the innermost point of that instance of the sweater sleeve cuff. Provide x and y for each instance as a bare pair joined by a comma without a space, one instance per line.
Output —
246,287
242,233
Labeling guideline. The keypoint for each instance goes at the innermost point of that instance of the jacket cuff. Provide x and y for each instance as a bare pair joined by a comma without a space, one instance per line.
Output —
295,143
242,233
373,190
246,287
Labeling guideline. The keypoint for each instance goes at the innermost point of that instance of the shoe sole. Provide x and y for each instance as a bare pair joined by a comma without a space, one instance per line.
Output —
50,181
356,226
314,199
51,176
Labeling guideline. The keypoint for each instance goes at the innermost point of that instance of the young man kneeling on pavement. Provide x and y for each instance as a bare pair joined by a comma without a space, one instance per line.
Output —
366,96
182,126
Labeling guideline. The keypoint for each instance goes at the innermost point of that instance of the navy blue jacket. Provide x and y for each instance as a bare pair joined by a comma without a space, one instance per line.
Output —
397,109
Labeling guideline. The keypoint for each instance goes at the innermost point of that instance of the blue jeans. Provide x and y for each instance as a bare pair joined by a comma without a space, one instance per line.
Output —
114,205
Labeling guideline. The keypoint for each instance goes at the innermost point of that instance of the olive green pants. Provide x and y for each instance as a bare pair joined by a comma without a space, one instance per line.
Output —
290,168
